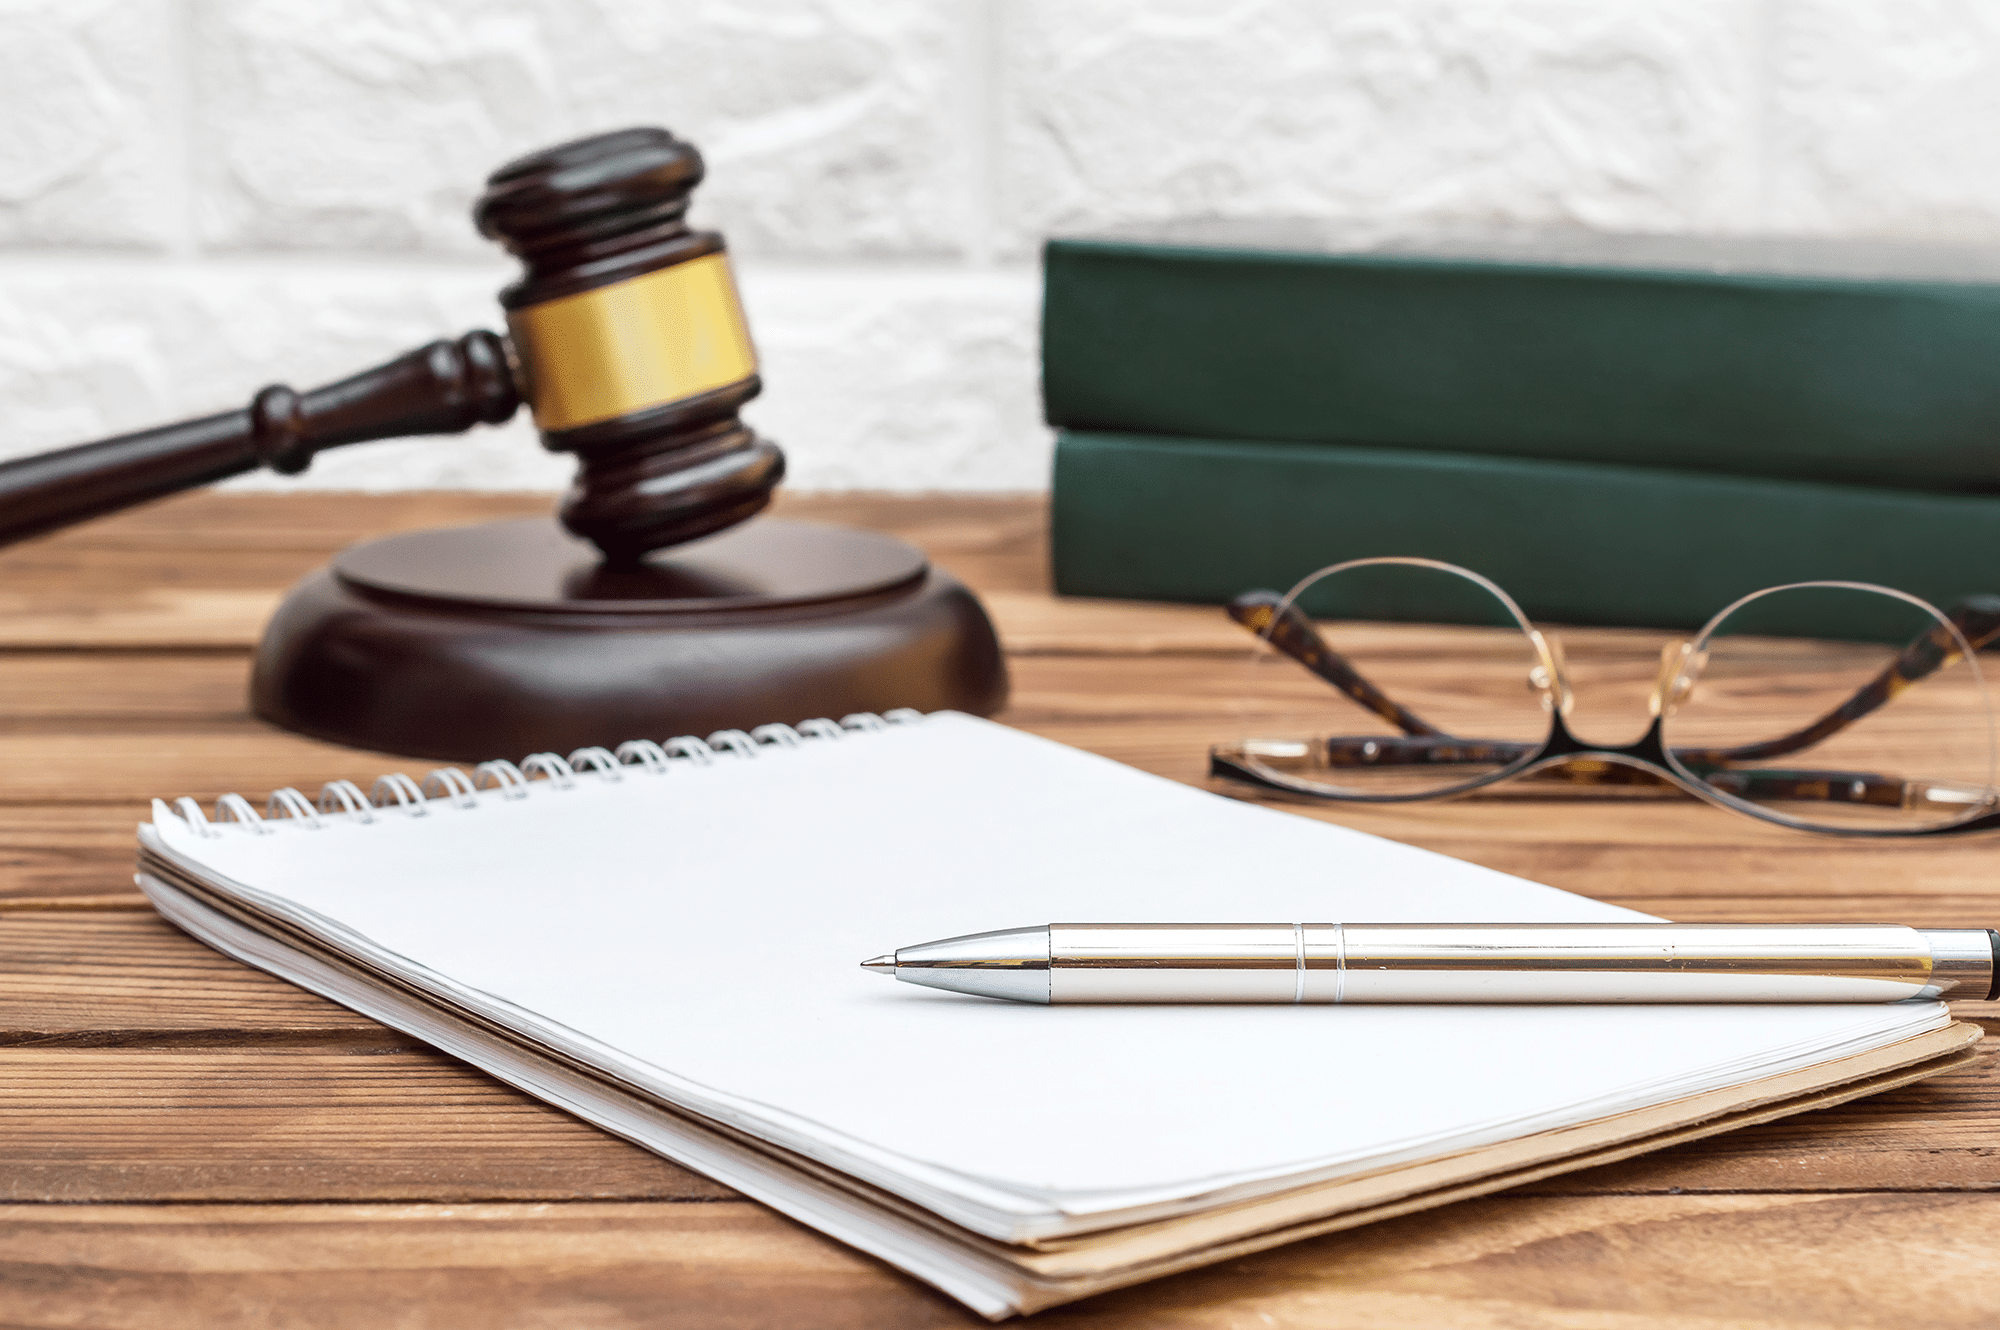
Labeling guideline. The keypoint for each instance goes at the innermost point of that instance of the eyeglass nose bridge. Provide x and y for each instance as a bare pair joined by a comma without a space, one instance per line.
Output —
1549,676
1680,666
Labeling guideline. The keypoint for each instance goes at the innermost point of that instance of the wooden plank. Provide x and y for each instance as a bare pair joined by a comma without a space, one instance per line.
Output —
376,1117
227,547
145,617
161,685
428,1267
121,575
1031,622
1667,1263
1190,700
995,543
144,686
230,617
1942,1134
1673,857
212,519
1161,712
228,542
142,1066
1589,1263
71,984
77,851
355,1112
1047,685
81,978
88,754
63,761
248,542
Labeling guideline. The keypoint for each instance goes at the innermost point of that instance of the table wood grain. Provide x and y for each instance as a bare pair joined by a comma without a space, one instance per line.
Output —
187,1142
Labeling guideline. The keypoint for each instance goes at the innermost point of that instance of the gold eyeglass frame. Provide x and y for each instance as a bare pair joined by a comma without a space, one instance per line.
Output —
1973,623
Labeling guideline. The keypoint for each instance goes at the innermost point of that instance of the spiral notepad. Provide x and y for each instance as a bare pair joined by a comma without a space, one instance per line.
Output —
664,939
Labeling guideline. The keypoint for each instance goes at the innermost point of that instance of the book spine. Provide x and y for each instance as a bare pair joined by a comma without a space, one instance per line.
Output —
1155,518
1840,379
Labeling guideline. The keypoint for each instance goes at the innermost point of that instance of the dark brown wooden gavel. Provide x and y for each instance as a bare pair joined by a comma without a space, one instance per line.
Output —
625,337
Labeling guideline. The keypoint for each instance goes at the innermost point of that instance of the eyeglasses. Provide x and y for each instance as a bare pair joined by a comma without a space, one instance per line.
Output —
1799,704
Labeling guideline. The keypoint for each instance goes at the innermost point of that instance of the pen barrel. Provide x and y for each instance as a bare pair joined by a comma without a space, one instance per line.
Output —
1515,963
1634,963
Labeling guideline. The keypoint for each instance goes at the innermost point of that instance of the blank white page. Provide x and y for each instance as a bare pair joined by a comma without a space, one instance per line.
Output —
700,932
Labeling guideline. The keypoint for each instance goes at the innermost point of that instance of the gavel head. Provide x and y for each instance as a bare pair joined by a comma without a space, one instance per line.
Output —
629,340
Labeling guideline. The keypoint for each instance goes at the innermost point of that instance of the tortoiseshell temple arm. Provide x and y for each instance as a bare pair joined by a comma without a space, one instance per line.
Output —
1977,618
1420,751
1292,633
1765,786
1346,754
1865,787
1843,787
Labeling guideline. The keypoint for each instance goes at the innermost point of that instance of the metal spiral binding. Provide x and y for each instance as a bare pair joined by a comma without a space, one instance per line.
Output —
503,776
289,802
645,753
454,785
235,808
733,741
409,796
454,788
599,760
556,770
691,748
343,792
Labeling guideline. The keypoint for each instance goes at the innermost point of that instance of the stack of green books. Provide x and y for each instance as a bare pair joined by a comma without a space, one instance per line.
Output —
1619,430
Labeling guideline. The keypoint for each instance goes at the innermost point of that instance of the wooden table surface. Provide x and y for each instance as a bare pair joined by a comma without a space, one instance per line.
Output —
186,1142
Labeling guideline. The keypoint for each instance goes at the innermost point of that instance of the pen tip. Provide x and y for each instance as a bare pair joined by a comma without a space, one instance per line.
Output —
882,964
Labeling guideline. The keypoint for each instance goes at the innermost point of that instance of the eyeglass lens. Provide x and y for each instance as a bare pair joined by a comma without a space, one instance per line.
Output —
1890,728
1391,710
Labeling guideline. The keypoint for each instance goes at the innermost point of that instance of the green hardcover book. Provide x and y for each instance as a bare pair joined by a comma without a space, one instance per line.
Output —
1849,361
1158,518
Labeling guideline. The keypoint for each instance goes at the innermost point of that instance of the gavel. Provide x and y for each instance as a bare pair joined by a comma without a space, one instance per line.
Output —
625,337
659,611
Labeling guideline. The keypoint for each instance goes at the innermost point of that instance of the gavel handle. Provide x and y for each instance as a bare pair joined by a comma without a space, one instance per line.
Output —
442,388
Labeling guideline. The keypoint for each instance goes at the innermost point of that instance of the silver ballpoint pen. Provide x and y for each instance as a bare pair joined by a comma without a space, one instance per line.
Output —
1457,963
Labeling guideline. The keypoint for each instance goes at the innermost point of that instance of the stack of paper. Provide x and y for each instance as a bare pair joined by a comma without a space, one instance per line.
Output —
674,956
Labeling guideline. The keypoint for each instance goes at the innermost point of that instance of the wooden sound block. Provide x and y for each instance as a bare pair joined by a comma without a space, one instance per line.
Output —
512,637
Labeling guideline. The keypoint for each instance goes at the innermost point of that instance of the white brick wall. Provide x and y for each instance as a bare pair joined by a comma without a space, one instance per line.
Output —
201,196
